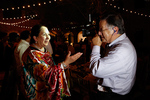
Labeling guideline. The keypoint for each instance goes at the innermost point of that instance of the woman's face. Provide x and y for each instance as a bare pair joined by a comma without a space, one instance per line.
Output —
43,37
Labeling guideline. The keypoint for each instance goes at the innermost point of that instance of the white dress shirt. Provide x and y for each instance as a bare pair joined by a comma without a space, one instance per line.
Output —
20,49
118,68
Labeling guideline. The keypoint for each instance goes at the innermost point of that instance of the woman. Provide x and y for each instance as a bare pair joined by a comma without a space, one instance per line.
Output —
43,79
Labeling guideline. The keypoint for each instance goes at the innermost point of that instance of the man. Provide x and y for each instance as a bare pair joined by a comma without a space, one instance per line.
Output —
19,50
117,67
23,44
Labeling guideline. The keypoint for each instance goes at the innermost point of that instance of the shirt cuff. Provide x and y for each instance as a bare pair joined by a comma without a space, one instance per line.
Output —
96,49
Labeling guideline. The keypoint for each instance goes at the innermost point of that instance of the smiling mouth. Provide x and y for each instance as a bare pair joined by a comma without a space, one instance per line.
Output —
46,41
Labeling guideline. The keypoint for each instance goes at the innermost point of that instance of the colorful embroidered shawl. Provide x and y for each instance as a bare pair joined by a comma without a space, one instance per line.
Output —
43,79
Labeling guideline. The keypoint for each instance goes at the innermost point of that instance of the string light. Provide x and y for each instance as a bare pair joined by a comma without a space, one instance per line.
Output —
39,4
130,11
28,6
20,17
20,22
17,23
23,7
27,27
4,23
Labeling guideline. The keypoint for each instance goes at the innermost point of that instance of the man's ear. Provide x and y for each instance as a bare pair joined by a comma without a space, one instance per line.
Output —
116,29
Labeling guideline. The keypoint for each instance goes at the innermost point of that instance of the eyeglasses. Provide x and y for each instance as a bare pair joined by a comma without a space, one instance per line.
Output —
105,29
102,30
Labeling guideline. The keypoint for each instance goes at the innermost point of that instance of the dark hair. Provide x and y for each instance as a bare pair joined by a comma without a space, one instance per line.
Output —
13,37
35,32
115,20
24,35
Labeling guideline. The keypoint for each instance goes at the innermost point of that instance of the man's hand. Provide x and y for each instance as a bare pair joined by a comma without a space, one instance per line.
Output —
70,59
97,41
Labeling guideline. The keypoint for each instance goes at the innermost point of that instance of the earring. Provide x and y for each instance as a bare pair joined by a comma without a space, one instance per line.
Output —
35,41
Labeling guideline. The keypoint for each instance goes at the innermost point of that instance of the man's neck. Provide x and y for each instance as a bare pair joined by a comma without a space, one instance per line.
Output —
115,37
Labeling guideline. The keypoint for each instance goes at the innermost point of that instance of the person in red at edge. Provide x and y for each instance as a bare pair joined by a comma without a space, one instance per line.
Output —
44,80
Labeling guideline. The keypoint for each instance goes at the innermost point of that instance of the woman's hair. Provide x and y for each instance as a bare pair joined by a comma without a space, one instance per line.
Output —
114,19
35,32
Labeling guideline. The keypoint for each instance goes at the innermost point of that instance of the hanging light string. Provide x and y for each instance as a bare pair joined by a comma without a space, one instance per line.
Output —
124,9
20,26
30,16
27,6
20,22
17,24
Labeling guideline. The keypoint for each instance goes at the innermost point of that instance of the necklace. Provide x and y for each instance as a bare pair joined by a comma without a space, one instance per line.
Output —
38,48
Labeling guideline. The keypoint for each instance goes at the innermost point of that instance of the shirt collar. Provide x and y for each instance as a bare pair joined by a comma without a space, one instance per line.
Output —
123,36
25,41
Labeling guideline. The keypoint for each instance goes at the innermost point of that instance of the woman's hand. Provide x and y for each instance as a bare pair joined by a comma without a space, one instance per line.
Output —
70,59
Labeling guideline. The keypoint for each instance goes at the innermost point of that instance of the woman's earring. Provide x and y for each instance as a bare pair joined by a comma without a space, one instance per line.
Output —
35,41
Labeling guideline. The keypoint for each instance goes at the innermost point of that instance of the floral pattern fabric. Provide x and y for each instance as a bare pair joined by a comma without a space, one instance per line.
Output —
42,78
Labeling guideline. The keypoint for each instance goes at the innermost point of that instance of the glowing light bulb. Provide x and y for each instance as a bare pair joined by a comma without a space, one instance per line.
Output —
39,4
